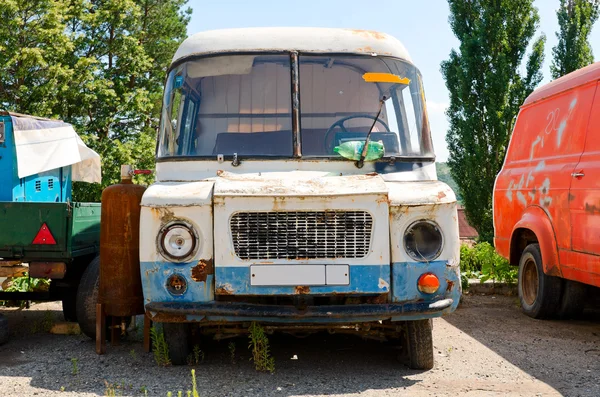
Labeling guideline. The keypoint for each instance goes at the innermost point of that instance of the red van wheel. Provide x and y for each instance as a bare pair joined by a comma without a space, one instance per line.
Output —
539,293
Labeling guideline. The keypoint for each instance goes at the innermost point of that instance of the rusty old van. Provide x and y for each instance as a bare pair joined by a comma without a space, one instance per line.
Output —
296,188
547,195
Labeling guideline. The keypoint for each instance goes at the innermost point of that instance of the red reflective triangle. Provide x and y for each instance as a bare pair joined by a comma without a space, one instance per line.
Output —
44,236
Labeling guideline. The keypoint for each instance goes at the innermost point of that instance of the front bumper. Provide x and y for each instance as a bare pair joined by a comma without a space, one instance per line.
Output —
238,312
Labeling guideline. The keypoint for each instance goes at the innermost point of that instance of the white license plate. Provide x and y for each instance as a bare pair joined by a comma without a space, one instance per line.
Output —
282,275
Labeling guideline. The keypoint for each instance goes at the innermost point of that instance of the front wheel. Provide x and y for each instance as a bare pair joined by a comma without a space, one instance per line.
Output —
419,335
539,293
177,338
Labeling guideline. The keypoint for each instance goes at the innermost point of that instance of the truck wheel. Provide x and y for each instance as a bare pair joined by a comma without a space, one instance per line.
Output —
4,331
573,299
539,293
419,334
87,298
176,336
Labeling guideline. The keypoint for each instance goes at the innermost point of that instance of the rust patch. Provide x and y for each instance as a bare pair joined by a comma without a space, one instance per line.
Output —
441,195
450,286
379,299
224,289
571,197
372,174
202,270
369,33
554,271
302,290
164,214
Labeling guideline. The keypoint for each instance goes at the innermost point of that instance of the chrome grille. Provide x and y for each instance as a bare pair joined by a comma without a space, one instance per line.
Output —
301,234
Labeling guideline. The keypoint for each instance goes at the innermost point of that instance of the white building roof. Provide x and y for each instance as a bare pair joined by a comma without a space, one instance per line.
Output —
314,40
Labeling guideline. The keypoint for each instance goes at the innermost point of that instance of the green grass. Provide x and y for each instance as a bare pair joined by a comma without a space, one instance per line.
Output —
160,349
259,346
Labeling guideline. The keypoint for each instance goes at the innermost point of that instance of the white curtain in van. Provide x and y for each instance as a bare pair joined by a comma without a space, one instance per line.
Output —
43,145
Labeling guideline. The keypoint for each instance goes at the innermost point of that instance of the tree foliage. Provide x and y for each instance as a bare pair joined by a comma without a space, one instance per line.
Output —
486,89
573,51
97,64
32,47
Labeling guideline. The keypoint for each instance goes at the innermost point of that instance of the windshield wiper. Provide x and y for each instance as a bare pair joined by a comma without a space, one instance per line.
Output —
361,161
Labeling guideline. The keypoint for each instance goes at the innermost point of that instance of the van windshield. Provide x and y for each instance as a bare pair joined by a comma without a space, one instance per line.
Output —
243,104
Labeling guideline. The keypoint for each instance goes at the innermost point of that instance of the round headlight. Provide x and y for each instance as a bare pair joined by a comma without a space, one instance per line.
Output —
423,241
177,241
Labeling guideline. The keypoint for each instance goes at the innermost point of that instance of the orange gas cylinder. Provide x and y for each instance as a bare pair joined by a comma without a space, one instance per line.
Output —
120,289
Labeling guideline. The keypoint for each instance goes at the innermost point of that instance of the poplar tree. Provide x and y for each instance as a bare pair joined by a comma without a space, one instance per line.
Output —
573,51
486,89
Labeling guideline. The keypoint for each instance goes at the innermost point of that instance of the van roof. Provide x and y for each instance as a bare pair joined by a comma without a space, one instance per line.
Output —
574,79
313,40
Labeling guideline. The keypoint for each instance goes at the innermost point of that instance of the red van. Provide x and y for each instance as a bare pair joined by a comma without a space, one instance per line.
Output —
547,195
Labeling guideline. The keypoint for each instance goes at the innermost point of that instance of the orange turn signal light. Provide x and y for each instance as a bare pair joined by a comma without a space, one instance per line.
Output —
428,283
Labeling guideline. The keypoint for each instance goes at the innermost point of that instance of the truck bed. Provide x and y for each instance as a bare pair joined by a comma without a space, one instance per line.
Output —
74,226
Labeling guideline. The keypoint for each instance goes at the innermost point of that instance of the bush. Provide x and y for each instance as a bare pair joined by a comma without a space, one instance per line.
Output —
483,262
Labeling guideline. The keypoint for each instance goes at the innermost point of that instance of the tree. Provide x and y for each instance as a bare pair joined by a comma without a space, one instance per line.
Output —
573,51
486,90
32,45
122,49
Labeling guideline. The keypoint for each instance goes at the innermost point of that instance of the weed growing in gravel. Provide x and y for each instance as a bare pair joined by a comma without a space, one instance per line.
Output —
111,390
232,351
133,354
160,348
74,367
144,391
259,345
196,356
194,387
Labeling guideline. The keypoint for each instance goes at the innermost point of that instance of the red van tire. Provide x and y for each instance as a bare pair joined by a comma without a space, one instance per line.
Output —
419,335
572,300
539,293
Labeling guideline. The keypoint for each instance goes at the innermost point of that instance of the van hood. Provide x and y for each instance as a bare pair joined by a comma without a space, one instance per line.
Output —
298,183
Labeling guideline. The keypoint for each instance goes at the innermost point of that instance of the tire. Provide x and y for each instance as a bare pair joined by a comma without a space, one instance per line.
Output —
177,338
419,335
539,293
87,298
573,299
4,331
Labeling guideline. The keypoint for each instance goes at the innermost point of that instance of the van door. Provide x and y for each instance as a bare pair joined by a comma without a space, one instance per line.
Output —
584,195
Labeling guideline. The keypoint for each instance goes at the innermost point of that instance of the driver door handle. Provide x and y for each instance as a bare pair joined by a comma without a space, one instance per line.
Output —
578,174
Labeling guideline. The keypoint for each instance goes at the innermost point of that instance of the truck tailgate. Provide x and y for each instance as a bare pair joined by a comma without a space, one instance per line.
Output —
21,223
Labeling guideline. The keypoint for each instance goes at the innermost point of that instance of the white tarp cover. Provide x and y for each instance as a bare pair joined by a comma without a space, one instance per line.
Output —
44,145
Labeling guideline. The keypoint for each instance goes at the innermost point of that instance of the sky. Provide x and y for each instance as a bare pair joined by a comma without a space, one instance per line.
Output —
422,26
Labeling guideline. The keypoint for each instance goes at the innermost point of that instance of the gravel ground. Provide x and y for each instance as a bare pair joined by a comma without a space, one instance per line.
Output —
487,347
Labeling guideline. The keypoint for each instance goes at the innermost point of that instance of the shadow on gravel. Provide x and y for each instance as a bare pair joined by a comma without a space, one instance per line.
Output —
563,354
320,364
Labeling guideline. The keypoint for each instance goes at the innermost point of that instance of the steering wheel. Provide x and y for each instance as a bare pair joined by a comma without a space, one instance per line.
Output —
340,123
